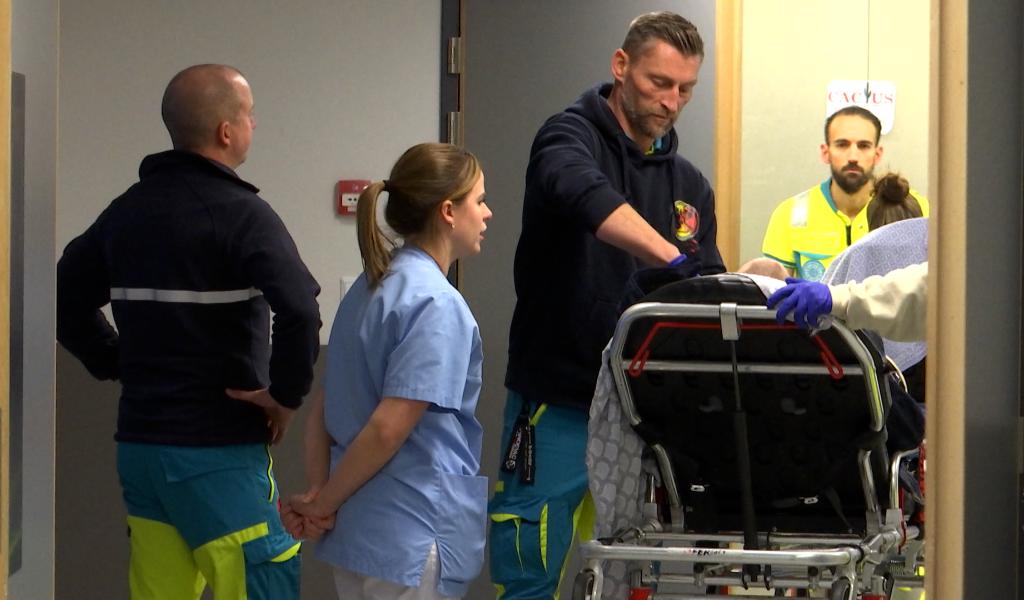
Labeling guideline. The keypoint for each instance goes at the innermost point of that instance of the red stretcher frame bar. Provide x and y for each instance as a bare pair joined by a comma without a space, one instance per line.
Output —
636,366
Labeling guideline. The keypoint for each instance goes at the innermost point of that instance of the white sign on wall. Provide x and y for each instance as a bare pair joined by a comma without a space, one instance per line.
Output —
877,96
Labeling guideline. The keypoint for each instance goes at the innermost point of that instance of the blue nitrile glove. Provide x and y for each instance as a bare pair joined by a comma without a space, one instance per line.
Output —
807,300
675,262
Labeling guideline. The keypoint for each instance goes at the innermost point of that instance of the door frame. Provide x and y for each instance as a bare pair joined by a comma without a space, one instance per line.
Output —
5,289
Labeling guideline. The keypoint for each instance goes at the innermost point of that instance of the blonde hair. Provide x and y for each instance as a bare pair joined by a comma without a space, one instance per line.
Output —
423,177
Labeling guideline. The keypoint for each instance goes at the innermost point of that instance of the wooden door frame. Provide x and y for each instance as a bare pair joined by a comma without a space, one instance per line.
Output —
947,179
728,127
5,288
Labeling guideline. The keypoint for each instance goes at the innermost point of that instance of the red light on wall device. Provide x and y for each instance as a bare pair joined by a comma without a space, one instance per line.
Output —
346,195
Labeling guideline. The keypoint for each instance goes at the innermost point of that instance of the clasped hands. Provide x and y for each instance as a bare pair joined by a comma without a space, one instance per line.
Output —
304,518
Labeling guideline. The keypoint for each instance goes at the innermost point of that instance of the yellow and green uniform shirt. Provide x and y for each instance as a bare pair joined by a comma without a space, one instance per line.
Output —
807,231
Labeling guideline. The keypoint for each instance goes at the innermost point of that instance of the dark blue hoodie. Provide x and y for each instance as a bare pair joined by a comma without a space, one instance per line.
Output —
582,167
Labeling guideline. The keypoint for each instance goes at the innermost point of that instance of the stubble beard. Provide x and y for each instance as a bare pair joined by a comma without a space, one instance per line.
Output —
644,123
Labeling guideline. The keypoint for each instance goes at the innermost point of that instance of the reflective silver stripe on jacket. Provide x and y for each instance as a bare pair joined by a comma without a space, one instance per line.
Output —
184,296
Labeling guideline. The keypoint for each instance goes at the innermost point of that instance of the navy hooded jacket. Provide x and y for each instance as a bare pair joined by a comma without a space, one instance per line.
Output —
568,283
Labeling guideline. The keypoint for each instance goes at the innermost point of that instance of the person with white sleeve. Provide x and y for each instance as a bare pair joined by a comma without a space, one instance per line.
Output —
893,304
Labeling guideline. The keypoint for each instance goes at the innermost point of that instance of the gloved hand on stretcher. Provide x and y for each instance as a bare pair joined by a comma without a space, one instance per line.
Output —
807,300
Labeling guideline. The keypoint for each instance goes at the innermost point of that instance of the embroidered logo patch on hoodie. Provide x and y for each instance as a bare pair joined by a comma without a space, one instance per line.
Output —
687,221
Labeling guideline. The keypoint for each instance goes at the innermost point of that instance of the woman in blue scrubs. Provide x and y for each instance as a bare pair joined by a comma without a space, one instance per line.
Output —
392,444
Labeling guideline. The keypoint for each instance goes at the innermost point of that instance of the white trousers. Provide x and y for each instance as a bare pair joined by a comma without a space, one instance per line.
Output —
354,586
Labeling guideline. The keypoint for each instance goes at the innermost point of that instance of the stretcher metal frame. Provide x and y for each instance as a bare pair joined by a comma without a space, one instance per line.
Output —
849,567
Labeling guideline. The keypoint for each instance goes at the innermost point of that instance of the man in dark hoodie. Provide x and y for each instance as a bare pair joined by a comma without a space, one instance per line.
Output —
606,194
190,259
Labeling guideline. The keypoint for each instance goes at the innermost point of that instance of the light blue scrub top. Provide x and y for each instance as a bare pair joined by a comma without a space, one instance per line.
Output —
413,337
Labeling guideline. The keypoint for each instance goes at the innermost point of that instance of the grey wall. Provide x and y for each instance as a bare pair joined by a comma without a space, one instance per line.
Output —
341,87
995,122
524,62
34,50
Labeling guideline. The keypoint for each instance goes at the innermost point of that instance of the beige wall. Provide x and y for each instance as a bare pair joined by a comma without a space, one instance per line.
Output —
792,49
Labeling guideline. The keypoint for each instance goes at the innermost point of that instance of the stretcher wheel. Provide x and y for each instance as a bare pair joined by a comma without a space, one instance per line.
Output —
842,589
583,585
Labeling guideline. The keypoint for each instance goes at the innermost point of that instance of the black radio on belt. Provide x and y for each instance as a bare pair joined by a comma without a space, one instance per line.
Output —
519,454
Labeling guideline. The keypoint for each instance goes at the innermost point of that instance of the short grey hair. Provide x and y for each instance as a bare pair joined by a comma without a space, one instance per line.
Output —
667,27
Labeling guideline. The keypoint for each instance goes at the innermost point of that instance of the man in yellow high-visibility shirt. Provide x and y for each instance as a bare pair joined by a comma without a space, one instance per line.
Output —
809,229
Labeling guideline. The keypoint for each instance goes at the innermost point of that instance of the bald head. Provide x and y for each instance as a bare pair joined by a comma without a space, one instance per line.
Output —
197,101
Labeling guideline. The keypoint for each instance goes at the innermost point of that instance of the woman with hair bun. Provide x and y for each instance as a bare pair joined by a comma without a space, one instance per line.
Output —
892,202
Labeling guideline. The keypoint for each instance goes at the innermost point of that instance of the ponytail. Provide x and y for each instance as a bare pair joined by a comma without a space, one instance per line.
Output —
423,177
374,247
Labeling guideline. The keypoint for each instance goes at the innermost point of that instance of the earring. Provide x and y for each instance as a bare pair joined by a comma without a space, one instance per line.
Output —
453,224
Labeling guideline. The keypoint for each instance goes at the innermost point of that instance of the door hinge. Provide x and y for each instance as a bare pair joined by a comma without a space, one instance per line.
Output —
455,128
455,55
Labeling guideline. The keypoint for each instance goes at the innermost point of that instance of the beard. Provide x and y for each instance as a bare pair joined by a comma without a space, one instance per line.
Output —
643,122
852,181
